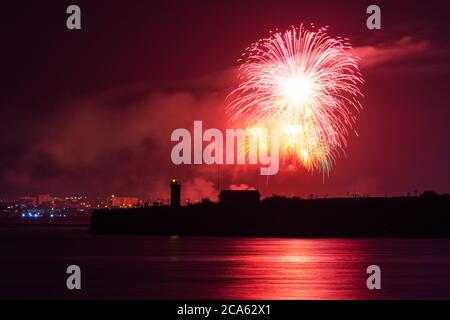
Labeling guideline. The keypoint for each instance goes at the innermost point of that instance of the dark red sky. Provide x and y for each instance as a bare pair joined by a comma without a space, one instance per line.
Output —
91,111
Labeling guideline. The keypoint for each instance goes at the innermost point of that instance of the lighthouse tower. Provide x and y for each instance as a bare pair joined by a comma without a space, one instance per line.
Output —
175,193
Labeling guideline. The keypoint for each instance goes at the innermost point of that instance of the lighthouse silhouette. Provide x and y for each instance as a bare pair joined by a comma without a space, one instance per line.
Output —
175,193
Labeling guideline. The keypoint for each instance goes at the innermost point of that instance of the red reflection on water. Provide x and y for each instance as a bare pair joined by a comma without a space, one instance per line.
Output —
296,269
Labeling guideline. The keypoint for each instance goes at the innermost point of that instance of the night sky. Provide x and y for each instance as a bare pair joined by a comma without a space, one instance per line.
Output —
90,112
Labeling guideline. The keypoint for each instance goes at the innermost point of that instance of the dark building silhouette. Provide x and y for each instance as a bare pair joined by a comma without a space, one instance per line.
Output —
429,194
239,197
175,193
395,217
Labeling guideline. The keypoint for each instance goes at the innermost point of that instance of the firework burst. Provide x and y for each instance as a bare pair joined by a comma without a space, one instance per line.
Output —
306,84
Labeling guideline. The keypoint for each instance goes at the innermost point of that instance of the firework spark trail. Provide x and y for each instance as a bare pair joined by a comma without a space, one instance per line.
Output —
306,84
